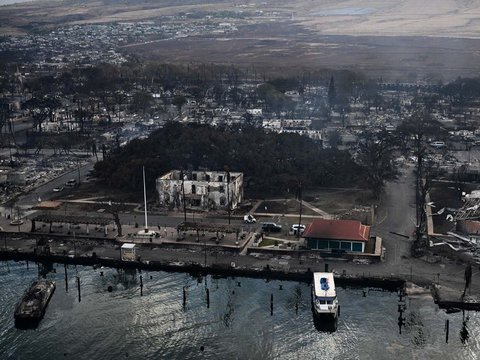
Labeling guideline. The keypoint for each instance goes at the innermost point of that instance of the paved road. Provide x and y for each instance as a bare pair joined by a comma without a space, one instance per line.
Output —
396,213
45,191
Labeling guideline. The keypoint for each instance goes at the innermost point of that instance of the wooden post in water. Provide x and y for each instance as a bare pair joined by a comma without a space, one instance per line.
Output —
271,304
78,287
141,285
184,297
66,278
447,329
401,308
208,298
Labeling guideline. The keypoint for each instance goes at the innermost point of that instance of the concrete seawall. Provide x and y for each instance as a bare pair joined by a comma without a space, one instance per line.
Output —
225,262
386,283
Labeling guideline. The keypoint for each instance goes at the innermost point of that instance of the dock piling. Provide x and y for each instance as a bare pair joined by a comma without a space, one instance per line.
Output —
401,309
208,298
184,297
66,277
141,285
78,287
447,330
271,304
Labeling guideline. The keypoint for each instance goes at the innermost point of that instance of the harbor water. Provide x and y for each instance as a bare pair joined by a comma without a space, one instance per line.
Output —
181,316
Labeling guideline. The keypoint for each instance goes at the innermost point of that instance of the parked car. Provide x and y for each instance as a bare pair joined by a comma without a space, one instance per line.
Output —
58,189
438,144
296,227
71,183
271,227
249,219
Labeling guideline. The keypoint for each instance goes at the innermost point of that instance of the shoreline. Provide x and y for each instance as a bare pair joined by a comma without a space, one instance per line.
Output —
385,283
228,263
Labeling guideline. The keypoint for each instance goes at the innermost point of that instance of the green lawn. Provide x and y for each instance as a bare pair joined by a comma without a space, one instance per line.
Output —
267,242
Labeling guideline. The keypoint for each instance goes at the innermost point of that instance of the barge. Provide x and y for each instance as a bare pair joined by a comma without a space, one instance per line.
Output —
32,306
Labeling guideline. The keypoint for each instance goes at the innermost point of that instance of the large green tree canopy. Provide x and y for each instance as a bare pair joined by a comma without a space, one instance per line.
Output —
272,163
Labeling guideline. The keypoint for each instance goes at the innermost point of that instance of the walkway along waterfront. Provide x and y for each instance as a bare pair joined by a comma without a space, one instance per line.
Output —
448,278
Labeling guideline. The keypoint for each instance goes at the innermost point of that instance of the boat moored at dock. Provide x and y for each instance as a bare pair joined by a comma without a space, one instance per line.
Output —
324,296
31,308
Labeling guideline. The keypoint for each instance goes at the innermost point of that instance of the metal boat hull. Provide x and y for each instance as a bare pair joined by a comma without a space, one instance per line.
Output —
31,308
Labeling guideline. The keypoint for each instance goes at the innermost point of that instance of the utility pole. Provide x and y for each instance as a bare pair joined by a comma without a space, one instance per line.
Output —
183,196
228,195
300,217
205,250
145,199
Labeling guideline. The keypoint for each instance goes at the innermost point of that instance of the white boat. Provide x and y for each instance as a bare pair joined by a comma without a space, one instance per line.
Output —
324,295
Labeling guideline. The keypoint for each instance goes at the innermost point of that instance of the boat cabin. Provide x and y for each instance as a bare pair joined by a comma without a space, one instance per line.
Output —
324,294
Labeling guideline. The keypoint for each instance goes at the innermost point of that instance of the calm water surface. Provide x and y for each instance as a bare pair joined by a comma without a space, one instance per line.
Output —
238,325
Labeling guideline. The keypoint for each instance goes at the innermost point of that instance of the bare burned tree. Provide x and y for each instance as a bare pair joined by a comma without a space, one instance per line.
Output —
376,159
415,132
41,109
4,115
115,208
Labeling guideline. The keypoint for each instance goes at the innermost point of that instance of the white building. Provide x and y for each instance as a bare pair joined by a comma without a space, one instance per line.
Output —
207,190
255,112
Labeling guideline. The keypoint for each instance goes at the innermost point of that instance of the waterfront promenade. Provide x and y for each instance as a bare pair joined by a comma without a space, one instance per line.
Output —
215,259
393,217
